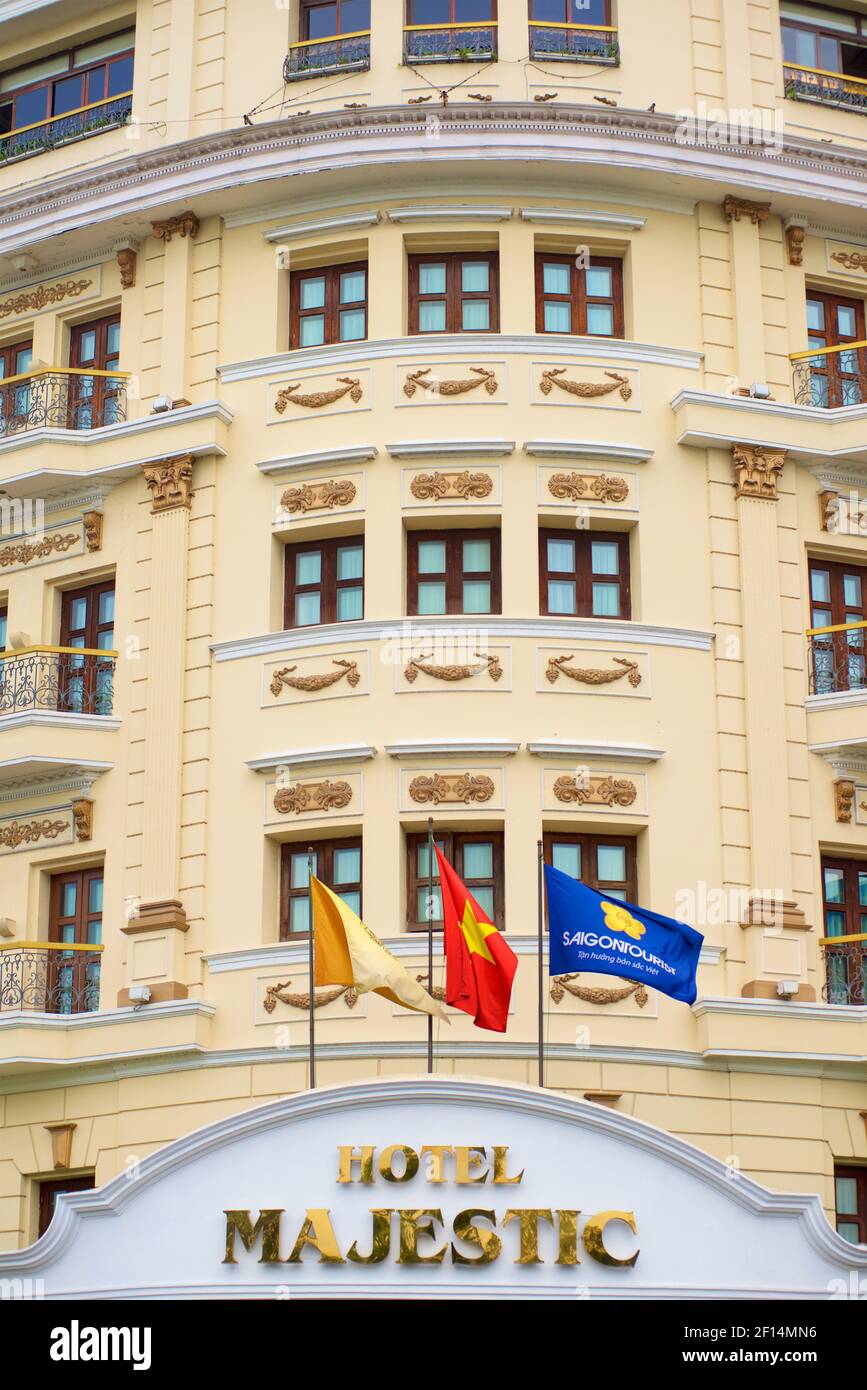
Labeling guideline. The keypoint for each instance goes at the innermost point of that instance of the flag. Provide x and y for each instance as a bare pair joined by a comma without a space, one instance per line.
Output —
346,952
480,966
588,931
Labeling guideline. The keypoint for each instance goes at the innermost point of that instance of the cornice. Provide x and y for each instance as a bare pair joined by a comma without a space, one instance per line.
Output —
613,752
57,719
41,775
841,699
342,222
323,458
585,217
845,755
452,212
450,747
770,1008
572,449
312,757
451,448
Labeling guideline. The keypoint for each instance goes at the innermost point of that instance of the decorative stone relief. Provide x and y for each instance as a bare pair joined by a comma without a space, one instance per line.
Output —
436,386
170,482
187,224
455,788
93,522
587,390
757,470
598,487
320,681
42,297
82,818
558,665
736,208
309,497
454,672
595,790
314,400
441,487
312,796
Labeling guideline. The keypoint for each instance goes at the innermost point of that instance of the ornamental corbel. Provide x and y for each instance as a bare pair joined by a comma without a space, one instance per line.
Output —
757,470
170,482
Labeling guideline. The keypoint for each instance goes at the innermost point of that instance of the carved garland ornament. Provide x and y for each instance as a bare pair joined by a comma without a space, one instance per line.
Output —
561,985
349,669
437,487
312,796
844,797
554,376
302,1001
170,483
757,470
589,676
315,400
851,260
596,791
452,673
42,296
458,387
456,787
576,486
18,833
25,551
311,496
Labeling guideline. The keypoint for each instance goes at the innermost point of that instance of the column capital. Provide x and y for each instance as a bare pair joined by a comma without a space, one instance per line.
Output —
185,224
736,208
170,482
757,470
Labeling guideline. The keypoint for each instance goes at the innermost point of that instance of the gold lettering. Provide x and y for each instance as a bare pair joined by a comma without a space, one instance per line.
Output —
529,1219
318,1232
594,1236
413,1225
267,1226
349,1156
468,1157
380,1241
567,1226
438,1153
501,1164
386,1159
486,1242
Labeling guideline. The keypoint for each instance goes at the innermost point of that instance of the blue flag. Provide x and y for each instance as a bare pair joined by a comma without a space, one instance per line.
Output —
588,931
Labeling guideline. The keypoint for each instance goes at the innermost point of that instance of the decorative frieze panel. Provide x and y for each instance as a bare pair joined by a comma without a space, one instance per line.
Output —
459,789
47,295
572,670
594,790
37,829
312,498
453,666
848,259
325,796
842,512
584,384
284,998
305,679
310,397
445,488
596,490
450,383
56,542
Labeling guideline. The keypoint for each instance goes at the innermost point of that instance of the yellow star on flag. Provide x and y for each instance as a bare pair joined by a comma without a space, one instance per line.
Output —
475,933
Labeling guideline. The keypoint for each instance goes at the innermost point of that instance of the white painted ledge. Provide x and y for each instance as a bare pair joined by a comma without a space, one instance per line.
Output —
312,757
323,458
455,212
573,449
127,429
101,1018
296,231
841,699
771,1008
615,752
586,217
57,719
462,747
451,448
44,774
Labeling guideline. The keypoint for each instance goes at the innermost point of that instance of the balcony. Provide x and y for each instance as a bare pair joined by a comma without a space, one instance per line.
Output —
67,398
845,969
464,42
837,658
46,977
827,88
577,43
59,680
65,129
830,377
319,57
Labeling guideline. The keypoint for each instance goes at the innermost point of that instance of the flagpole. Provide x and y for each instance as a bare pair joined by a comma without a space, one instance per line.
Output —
541,969
310,956
430,980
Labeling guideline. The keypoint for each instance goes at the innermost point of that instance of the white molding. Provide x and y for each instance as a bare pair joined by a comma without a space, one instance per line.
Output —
58,719
451,448
779,412
450,747
481,346
457,212
610,630
102,1018
772,1008
845,755
42,775
128,429
617,752
323,458
311,757
573,449
840,699
340,222
589,218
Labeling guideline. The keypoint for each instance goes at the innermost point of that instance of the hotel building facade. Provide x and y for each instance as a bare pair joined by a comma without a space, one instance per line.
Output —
430,409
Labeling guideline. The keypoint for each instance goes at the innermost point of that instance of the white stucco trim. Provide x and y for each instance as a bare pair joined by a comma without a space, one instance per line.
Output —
456,212
340,222
322,458
615,752
572,449
58,719
127,429
451,448
311,757
840,699
588,217
772,1008
443,747
35,773
102,1018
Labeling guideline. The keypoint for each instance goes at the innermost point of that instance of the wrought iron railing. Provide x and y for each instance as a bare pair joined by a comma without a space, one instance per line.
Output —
313,57
837,658
830,377
69,680
66,398
464,42
46,977
580,43
845,969
63,130
829,88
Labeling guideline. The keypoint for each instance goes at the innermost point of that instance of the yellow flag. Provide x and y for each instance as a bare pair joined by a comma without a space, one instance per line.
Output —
348,953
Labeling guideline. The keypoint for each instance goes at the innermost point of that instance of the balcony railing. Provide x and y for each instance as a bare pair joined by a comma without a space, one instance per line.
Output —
845,969
830,377
45,977
829,88
837,658
464,42
66,398
63,130
579,43
318,57
66,680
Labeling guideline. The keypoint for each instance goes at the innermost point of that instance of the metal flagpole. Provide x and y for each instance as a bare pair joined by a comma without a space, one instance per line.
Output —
541,944
311,953
430,980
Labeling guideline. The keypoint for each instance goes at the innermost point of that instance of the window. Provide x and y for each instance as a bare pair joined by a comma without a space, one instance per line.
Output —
15,361
603,862
329,305
95,400
454,293
87,621
830,40
590,12
584,575
584,302
836,378
68,81
50,1191
844,898
336,862
477,859
74,920
324,582
838,594
326,21
850,1188
4,622
453,572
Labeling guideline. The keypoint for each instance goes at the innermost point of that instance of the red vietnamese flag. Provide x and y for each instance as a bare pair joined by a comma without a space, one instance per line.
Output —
480,966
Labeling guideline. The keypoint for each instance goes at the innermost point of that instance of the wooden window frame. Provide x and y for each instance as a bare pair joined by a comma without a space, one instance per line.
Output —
856,40
4,630
582,573
324,850
851,906
454,296
83,917
454,575
567,12
578,299
88,669
452,843
328,585
8,353
102,388
839,646
93,628
829,365
454,18
848,1170
52,1188
588,845
304,18
11,95
332,307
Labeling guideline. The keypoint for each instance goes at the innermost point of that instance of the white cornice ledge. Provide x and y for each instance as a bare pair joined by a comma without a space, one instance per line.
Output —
341,222
37,773
494,626
770,1008
312,757
840,699
101,1018
324,458
451,448
457,212
781,414
572,449
57,719
461,747
587,217
845,755
127,429
614,752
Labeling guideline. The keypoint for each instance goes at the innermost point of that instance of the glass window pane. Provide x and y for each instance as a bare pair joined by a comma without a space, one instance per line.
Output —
308,567
805,48
350,605
845,321
567,858
820,586
422,858
862,889
69,897
354,15
299,877
299,914
600,320
23,360
852,590
484,896
346,865
351,325
849,1231
31,107
815,315
106,606
617,893
350,561
561,596
94,932
120,76
477,556
561,556
606,601
313,292
105,640
427,898
611,863
352,284
558,317
479,859
352,898
474,277
312,332
605,557
307,609
477,596
432,279
847,1196
555,278
835,923
432,316
834,889
599,281
94,896
431,557
112,339
68,95
475,315
431,597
